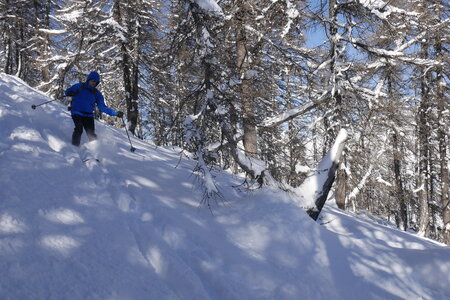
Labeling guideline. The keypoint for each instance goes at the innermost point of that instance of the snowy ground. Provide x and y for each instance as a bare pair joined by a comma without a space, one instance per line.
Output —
132,227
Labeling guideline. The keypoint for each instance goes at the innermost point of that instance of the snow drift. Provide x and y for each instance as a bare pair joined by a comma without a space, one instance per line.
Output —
131,227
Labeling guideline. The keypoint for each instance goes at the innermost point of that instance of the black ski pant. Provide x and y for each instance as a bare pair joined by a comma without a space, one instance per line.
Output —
81,122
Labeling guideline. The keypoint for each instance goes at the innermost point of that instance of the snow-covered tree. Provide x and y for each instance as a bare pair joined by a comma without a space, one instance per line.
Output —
25,43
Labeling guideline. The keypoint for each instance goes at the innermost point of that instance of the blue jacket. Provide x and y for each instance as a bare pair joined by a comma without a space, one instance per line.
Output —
83,103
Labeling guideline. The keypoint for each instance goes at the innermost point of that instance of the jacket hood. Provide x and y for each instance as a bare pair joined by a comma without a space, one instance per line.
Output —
94,76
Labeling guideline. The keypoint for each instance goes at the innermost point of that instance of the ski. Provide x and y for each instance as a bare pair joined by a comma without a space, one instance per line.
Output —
88,152
90,159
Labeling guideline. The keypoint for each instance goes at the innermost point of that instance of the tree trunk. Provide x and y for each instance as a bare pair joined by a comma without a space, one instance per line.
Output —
129,71
423,139
133,110
403,212
45,71
248,107
336,117
8,64
340,193
323,179
443,115
132,106
130,79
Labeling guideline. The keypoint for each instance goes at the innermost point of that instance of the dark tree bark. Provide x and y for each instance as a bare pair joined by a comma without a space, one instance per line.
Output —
129,66
341,179
423,153
400,195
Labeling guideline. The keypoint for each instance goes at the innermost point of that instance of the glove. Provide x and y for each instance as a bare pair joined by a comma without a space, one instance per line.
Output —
119,114
71,93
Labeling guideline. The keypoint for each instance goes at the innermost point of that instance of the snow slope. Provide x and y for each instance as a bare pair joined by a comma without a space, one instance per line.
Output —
132,228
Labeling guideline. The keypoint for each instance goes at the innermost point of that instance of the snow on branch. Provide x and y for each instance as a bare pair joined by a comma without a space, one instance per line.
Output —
255,168
313,192
203,171
358,188
393,54
398,53
384,9
292,13
209,6
52,31
293,113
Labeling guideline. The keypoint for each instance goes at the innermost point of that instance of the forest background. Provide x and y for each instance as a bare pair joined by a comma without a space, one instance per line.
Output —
269,80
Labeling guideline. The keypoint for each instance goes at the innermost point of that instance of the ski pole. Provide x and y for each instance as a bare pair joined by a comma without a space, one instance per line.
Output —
34,106
132,149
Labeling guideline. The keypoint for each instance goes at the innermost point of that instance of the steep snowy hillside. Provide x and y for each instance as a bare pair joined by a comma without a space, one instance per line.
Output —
131,227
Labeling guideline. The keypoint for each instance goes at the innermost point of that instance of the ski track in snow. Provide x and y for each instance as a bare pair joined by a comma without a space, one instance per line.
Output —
130,227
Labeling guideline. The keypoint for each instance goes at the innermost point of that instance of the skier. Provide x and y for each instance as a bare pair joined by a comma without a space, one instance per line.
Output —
84,97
